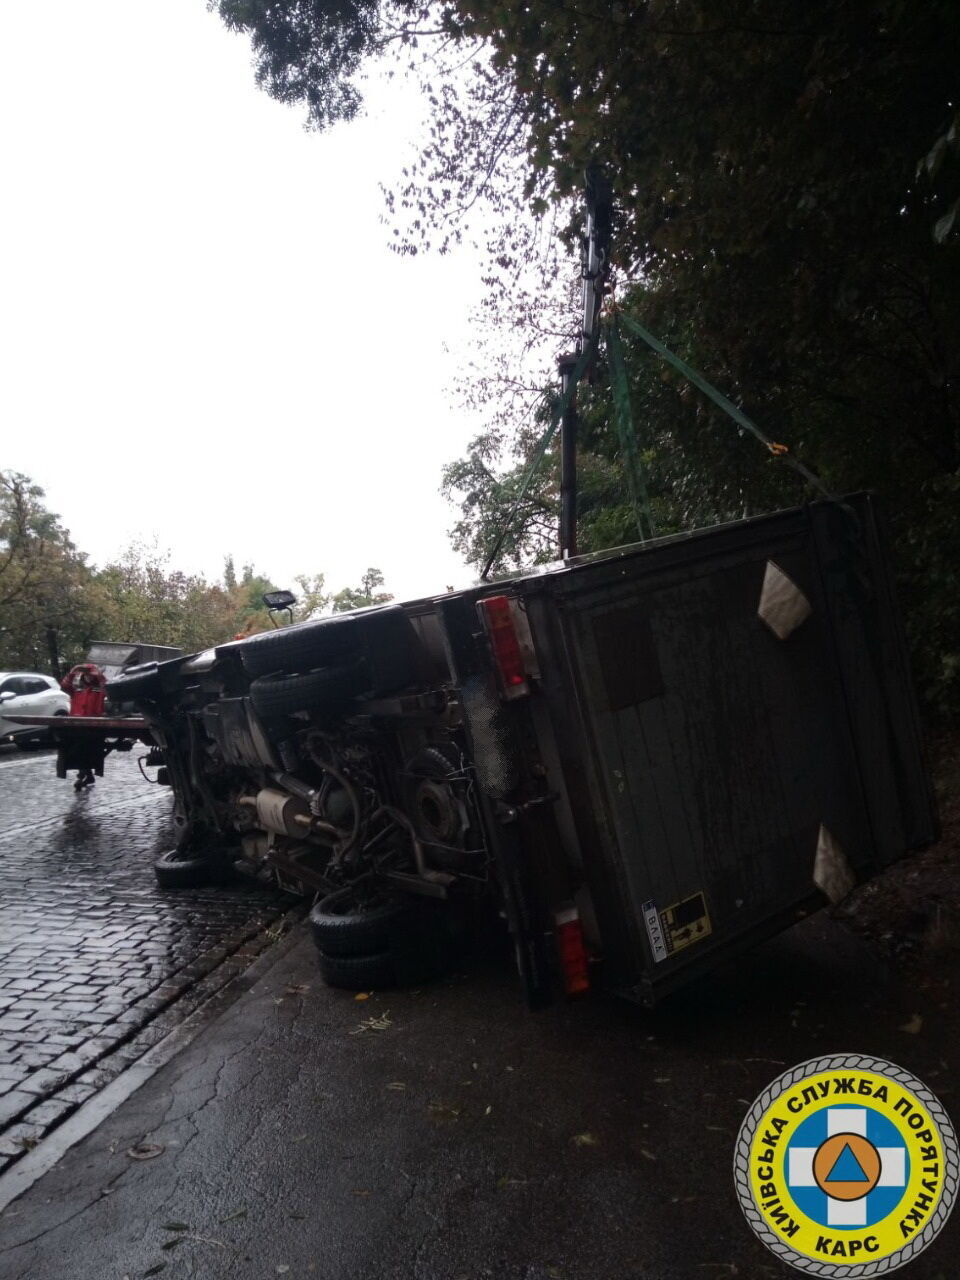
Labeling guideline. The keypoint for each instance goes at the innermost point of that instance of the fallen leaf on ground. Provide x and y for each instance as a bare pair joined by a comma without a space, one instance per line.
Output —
176,1226
373,1024
397,1085
360,1191
362,995
234,1217
300,989
647,1155
504,1182
585,1140
443,1109
914,1025
488,1110
155,1271
282,1269
172,1244
145,1150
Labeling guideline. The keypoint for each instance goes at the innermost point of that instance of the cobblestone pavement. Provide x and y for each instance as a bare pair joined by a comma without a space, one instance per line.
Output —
97,963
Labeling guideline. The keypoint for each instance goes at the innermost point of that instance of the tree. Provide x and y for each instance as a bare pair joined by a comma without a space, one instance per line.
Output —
46,608
313,598
772,228
765,167
53,604
309,51
364,595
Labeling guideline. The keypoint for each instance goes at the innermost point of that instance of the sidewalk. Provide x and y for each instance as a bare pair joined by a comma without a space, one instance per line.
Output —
447,1133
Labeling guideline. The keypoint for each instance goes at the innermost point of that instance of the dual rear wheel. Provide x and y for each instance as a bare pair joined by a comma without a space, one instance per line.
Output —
376,941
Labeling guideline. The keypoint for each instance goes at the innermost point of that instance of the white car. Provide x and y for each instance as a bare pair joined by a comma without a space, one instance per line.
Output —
27,693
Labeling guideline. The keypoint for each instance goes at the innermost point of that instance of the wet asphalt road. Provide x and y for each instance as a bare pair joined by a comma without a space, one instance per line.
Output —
465,1138
92,952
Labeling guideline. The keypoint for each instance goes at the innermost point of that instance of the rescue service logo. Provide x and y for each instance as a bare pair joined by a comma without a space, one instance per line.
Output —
846,1166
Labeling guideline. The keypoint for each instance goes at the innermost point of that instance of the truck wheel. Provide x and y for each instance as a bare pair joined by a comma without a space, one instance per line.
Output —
383,635
298,648
359,973
280,695
343,926
176,871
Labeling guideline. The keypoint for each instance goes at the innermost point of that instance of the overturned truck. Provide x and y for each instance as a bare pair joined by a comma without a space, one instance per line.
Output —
644,760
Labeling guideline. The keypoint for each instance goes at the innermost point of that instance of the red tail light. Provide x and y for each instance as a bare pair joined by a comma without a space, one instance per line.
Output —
574,965
497,613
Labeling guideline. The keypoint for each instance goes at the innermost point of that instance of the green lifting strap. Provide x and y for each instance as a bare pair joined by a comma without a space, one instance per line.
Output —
778,450
623,414
558,411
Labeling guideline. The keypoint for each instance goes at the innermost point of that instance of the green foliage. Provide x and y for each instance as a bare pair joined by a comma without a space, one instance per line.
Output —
361,597
43,578
47,585
313,598
773,229
307,51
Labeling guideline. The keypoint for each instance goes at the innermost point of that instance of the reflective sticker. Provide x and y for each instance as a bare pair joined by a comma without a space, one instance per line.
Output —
783,606
832,873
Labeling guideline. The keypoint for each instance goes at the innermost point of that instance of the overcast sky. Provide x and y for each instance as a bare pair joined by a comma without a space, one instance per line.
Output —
204,336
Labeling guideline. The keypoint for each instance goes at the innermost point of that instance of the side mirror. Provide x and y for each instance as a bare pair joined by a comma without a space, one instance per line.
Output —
279,602
275,600
8,696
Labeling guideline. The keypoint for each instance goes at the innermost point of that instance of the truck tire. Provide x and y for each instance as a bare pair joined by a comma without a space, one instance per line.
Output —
175,870
383,635
302,647
281,695
359,973
342,926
